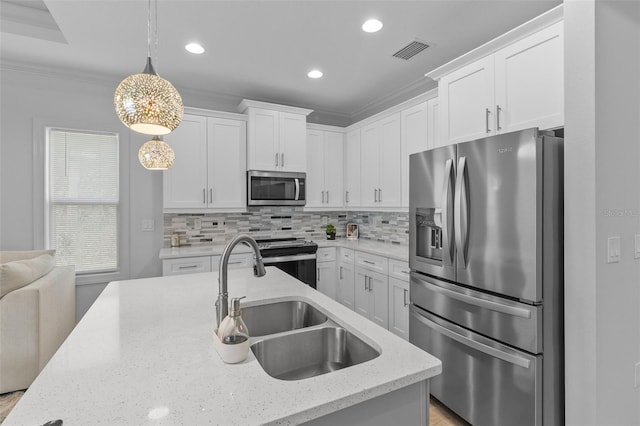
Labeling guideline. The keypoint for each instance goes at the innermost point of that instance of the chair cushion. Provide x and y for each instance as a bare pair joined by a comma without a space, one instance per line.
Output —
12,255
19,273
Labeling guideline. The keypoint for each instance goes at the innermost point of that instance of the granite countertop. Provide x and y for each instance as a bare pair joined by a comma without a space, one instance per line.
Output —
392,251
144,353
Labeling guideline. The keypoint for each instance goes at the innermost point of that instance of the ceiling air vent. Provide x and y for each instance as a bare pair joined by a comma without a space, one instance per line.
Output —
410,50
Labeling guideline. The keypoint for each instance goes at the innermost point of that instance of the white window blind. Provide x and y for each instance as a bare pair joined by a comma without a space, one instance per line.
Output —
83,199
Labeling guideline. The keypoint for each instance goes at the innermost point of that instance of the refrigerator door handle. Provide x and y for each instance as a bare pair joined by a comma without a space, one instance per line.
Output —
461,210
476,301
496,353
447,240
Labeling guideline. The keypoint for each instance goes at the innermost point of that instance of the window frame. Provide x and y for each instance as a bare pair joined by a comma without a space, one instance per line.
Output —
75,202
40,126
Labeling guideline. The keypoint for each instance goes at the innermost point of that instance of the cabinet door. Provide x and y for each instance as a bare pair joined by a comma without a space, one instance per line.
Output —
390,176
315,169
293,148
379,299
414,137
352,169
434,139
346,285
326,278
226,163
529,82
361,292
333,167
263,139
466,98
399,307
185,183
369,165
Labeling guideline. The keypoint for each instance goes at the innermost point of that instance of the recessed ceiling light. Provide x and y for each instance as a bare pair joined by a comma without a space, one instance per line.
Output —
314,74
372,26
194,48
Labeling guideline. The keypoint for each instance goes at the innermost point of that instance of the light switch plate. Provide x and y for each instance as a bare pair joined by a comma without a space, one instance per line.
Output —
637,246
613,249
148,225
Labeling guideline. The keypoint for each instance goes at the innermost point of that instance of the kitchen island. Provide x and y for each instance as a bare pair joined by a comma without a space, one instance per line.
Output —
144,354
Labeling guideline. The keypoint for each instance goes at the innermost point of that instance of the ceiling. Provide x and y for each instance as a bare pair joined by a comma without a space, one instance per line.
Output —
262,50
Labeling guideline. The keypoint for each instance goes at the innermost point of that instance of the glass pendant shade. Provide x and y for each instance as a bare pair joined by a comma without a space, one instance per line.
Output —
149,104
156,154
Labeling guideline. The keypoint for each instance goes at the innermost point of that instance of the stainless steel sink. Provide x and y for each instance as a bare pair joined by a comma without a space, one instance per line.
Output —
271,318
310,353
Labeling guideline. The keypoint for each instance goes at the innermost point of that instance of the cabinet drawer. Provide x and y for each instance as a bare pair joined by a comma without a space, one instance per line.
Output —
399,270
372,262
326,254
236,261
186,265
346,255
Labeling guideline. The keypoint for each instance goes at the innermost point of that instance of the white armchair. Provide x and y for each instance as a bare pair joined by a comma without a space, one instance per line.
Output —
35,317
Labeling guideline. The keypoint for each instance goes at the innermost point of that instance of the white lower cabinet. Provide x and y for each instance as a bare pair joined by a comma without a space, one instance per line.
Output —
326,271
399,307
193,265
186,265
371,298
345,292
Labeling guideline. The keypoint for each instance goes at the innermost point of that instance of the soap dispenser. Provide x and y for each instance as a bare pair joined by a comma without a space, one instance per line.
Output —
233,335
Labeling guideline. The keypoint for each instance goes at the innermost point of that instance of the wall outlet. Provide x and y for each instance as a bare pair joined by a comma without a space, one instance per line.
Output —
637,246
221,222
613,249
637,374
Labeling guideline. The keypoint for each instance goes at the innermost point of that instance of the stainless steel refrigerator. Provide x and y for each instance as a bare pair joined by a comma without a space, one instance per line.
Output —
486,259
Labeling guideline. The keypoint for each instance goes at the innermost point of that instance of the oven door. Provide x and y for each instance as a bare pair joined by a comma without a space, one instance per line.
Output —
300,266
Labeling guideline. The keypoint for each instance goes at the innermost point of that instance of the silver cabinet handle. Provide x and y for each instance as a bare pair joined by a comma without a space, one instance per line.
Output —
370,286
282,160
327,197
498,109
346,197
276,159
318,274
380,195
486,119
322,197
204,196
375,195
467,341
366,282
187,267
405,297
369,262
210,195
341,272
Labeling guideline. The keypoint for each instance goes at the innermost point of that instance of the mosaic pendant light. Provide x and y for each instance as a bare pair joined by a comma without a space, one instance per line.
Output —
156,154
146,102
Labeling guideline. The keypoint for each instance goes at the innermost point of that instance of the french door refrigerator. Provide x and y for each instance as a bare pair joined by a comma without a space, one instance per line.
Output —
486,238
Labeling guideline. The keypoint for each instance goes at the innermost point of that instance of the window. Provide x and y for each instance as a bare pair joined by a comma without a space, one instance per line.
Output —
82,199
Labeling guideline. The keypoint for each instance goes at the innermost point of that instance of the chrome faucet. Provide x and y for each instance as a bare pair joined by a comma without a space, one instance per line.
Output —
222,304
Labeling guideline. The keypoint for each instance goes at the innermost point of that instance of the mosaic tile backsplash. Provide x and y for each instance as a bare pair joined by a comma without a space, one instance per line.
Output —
281,222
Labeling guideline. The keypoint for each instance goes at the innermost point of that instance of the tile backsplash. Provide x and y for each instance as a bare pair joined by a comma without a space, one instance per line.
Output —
279,222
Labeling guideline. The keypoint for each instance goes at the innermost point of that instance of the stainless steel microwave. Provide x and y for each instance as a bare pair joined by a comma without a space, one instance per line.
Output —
266,188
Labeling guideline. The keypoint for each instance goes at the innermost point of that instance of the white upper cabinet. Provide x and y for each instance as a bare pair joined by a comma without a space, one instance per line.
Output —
324,168
209,171
414,137
466,102
276,138
517,86
380,158
352,169
529,82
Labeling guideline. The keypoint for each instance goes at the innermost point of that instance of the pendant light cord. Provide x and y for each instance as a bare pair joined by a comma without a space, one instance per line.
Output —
149,29
156,30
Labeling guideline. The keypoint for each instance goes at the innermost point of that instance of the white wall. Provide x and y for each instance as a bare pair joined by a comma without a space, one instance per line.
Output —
602,199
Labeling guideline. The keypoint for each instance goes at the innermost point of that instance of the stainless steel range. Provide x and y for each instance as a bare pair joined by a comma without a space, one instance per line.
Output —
296,257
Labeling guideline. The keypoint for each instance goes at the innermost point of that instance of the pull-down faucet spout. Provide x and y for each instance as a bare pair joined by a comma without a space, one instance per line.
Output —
222,304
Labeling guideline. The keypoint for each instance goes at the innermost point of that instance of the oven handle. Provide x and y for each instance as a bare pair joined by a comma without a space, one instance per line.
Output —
280,259
297,196
496,353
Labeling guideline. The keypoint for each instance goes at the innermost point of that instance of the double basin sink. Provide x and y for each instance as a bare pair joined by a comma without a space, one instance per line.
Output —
292,340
